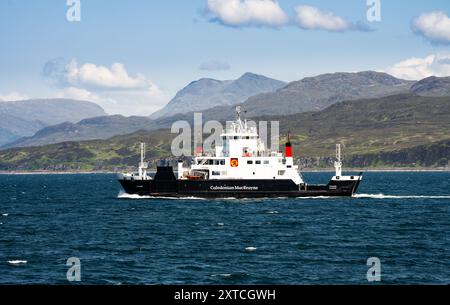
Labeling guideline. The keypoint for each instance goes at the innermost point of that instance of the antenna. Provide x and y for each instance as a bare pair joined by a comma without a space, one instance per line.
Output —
338,152
238,112
143,165
142,152
338,163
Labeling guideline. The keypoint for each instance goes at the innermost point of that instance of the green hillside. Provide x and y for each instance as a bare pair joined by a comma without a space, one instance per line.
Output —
391,131
372,126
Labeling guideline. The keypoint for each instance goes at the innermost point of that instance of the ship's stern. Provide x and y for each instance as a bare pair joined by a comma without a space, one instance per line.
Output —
345,185
135,185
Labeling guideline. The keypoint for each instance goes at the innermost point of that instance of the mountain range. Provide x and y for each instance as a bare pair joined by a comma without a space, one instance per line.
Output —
432,86
313,94
317,93
207,93
398,130
24,118
196,96
102,127
309,94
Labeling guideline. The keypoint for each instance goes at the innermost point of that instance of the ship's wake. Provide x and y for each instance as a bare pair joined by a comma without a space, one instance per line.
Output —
383,196
123,195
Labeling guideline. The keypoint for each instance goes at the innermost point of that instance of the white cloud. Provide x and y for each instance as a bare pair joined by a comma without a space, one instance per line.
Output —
138,102
434,26
417,68
215,65
312,18
113,88
12,97
116,77
248,12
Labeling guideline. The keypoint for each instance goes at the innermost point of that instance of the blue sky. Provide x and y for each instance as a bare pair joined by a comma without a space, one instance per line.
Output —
162,45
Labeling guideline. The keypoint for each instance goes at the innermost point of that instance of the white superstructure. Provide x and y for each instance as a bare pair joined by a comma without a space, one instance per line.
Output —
241,155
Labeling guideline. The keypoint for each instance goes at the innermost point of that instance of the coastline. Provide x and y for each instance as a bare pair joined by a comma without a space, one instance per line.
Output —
378,170
37,172
330,170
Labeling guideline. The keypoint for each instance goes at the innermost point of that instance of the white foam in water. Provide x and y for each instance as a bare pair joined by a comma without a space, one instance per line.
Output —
123,195
17,262
5,215
383,196
272,212
319,197
250,249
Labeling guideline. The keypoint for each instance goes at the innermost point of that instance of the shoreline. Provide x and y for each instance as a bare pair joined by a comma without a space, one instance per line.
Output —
373,170
56,172
378,170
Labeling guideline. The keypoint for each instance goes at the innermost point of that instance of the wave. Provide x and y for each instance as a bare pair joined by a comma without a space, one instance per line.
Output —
5,215
222,275
251,249
123,195
237,275
17,262
383,196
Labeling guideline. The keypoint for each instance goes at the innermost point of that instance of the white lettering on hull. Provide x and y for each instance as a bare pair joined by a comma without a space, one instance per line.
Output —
234,188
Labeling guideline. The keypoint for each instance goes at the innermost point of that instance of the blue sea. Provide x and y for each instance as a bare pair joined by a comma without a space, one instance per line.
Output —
401,218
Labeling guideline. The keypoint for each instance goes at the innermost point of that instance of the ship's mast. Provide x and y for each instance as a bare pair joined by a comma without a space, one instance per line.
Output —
143,165
238,118
338,163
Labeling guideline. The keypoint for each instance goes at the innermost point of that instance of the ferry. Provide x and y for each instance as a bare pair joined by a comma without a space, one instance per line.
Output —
241,167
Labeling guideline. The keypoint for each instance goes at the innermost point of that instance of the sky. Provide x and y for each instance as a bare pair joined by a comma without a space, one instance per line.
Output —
131,57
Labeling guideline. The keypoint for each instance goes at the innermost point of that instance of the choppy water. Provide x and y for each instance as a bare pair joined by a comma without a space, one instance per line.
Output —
401,218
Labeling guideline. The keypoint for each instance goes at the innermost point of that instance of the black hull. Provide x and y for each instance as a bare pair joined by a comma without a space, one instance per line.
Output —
168,186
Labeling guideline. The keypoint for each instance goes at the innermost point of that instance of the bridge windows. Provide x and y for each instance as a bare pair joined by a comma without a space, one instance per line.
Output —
257,162
210,161
239,138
